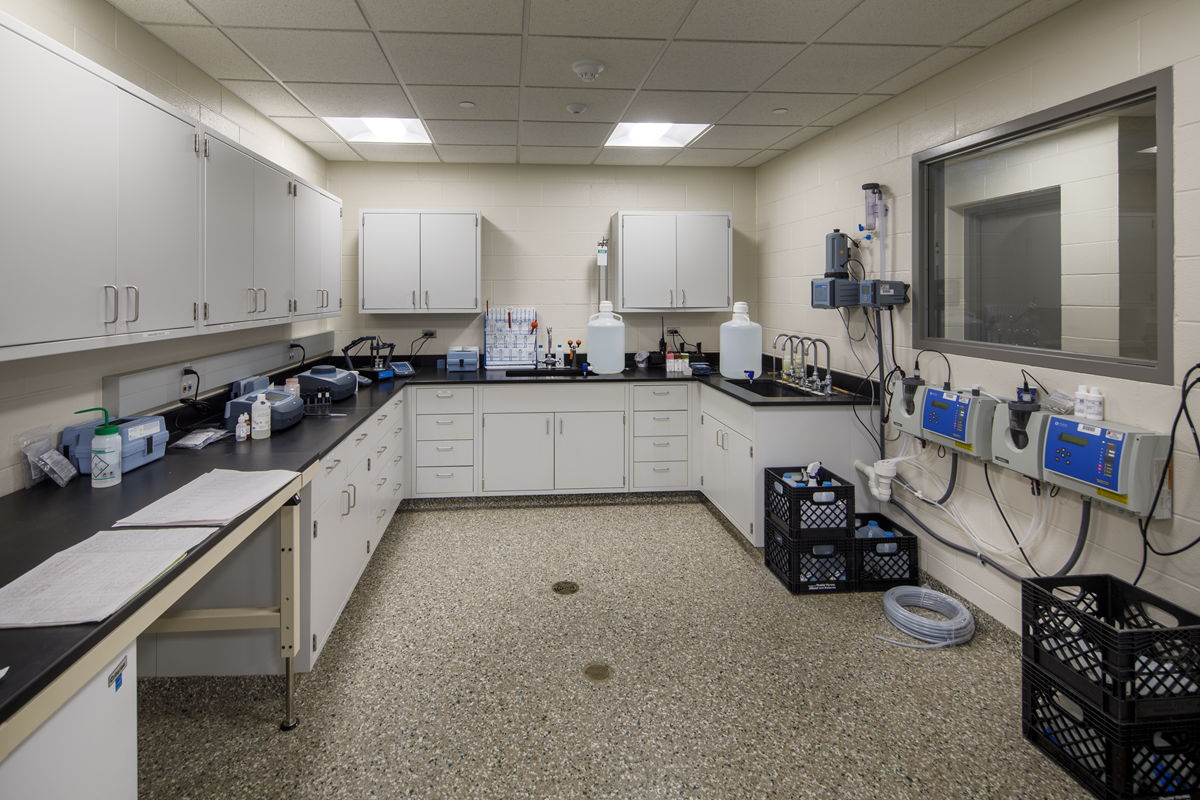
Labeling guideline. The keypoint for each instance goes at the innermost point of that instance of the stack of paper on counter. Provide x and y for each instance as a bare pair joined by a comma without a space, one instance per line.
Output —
91,580
215,498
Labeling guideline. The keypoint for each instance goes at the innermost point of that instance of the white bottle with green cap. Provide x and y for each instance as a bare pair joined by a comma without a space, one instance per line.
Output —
106,453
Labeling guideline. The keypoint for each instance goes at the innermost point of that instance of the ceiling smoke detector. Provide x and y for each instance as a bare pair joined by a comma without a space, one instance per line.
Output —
588,69
577,108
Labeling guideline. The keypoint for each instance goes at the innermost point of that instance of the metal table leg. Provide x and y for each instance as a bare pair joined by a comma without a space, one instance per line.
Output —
289,603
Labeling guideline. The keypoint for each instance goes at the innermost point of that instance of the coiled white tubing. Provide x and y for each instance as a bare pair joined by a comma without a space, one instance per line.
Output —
957,628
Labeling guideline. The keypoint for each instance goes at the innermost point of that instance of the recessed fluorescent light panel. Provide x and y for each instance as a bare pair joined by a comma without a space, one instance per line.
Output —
379,129
654,134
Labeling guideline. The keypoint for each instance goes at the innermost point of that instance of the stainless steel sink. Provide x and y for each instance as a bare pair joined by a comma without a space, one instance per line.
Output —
564,372
772,389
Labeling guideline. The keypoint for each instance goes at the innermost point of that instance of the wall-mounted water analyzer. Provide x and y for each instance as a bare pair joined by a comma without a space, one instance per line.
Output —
908,406
1018,437
960,421
1116,464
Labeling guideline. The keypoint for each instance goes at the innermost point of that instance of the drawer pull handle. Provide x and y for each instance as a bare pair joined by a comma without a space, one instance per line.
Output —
445,448
445,394
445,474
662,419
331,466
662,469
396,488
381,450
360,438
668,391
445,422
382,482
382,417
662,444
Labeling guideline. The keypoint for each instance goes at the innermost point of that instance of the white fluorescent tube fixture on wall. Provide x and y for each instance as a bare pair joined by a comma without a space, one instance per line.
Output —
379,129
654,134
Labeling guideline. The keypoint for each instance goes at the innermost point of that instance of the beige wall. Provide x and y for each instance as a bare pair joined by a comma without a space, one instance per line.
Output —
540,228
808,191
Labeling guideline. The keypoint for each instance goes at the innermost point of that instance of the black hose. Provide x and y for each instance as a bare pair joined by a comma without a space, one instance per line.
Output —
1084,521
953,478
879,350
982,558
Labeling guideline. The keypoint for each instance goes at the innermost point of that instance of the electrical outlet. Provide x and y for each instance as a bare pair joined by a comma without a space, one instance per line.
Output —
429,333
187,385
672,331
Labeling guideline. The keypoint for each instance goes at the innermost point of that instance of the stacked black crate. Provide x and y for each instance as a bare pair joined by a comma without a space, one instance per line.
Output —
808,531
1111,685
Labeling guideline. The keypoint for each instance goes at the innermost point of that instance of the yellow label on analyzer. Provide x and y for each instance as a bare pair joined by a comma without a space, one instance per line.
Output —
1116,498
967,447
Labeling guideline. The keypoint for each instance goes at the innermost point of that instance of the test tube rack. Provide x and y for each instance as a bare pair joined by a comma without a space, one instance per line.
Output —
509,338
317,404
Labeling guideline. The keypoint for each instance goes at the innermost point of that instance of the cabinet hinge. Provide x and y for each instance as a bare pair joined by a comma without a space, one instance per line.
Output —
314,643
476,303
477,222
196,141
622,480
195,312
701,480
314,529
369,543
701,419
751,528
368,465
206,147
206,310
483,422
483,485
730,221
339,213
622,419
339,303
289,189
752,451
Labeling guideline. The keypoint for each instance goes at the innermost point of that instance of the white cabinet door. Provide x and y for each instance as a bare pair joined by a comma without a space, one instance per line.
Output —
357,525
331,256
228,234
589,450
272,242
739,481
391,262
309,254
712,460
648,256
327,586
703,266
158,239
58,207
518,452
449,262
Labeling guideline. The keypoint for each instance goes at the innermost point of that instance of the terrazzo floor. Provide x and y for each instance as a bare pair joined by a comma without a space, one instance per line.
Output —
455,672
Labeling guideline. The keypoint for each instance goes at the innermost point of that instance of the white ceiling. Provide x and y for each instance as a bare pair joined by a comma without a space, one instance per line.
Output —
730,63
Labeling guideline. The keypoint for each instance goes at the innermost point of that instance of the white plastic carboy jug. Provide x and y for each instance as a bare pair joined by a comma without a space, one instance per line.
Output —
606,341
741,344
106,453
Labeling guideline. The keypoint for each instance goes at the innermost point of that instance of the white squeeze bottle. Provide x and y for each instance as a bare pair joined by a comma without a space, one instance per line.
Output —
1094,405
260,419
106,453
1081,401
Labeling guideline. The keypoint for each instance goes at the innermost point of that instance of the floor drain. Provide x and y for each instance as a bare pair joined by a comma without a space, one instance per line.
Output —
565,587
597,673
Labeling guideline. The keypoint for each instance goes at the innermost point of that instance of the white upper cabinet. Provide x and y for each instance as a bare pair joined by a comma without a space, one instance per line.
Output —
671,260
331,255
310,296
273,209
419,261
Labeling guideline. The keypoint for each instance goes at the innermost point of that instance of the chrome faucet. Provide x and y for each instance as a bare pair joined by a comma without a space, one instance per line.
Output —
791,340
778,336
824,386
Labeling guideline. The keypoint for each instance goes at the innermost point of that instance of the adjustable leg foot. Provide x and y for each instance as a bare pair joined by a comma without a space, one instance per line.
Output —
291,721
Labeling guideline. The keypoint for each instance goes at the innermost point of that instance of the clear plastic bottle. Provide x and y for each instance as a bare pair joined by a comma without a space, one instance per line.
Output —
741,344
260,419
241,431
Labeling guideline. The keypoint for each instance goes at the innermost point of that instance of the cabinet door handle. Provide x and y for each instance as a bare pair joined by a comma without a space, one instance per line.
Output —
348,506
414,298
672,304
662,469
547,426
264,291
327,300
427,298
331,466
254,296
137,302
116,302
354,501
445,474
683,297
444,449
662,419
560,426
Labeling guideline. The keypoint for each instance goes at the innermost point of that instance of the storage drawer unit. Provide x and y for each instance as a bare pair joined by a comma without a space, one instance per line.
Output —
660,436
660,398
449,453
444,453
660,423
660,475
445,480
660,448
445,401
441,427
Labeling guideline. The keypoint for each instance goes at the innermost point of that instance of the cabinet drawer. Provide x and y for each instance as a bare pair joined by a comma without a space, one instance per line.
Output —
446,401
331,473
660,398
665,475
380,423
660,423
445,480
445,426
448,453
660,448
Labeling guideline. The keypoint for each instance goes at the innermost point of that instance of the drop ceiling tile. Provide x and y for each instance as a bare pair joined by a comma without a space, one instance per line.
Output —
376,151
548,61
307,129
761,158
698,157
935,22
852,109
176,12
800,137
1015,21
476,154
749,137
759,108
565,134
603,105
443,58
442,102
458,131
636,156
610,19
558,155
706,107
354,99
719,66
210,50
438,16
334,152
320,14
924,70
764,20
325,56
268,97
849,68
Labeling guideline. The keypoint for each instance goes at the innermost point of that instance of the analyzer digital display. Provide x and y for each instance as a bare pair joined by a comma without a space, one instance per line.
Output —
941,405
1072,439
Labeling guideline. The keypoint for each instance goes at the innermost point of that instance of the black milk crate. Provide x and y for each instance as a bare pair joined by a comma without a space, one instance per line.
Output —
1125,650
807,566
885,561
798,513
1113,760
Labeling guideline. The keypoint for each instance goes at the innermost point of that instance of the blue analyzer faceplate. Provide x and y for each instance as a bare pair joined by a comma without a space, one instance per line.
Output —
945,413
1085,452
